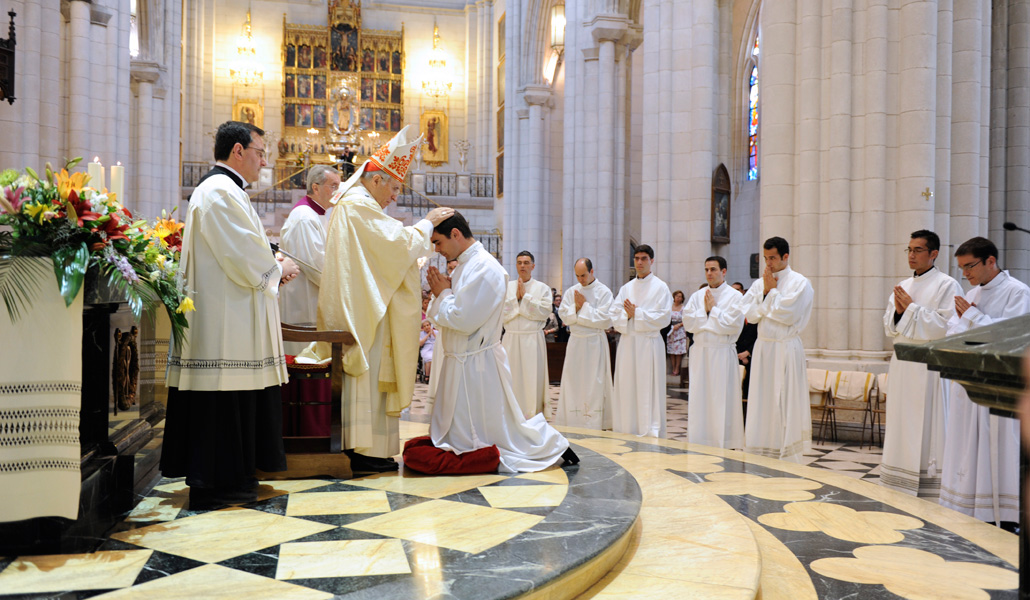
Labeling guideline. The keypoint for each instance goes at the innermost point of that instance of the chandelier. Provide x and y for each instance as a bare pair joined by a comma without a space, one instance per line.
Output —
438,83
246,70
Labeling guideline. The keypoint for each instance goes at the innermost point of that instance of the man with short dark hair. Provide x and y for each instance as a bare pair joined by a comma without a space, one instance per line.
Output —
224,416
918,311
527,305
473,403
779,416
585,398
642,308
713,316
981,451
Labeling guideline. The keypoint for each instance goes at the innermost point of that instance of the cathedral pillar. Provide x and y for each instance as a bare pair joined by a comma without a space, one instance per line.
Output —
968,79
777,146
1017,165
79,142
144,75
28,91
534,192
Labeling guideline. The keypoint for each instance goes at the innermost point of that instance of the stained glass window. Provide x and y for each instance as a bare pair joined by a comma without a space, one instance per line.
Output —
752,129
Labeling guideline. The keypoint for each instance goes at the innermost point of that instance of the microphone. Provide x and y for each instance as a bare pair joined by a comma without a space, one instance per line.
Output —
1010,226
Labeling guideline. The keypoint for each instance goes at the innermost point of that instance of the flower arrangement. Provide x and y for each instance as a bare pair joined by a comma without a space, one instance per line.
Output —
80,228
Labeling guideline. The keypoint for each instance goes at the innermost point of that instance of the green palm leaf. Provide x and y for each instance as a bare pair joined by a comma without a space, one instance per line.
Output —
20,279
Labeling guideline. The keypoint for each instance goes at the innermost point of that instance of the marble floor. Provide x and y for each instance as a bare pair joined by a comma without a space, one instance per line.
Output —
638,518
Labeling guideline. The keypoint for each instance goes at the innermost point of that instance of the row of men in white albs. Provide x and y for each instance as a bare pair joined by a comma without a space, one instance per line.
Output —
973,469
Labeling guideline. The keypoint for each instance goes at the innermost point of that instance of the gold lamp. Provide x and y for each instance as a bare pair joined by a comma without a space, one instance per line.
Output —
437,84
246,70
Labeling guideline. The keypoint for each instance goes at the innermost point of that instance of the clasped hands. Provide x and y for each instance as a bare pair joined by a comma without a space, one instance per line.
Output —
438,282
289,268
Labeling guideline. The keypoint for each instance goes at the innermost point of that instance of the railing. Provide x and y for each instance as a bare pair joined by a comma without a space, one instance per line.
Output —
492,242
281,192
192,173
441,184
482,186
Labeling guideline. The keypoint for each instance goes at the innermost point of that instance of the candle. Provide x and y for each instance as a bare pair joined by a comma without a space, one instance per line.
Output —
96,174
118,182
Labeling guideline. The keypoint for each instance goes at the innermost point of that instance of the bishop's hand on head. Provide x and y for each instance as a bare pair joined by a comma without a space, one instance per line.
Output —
439,215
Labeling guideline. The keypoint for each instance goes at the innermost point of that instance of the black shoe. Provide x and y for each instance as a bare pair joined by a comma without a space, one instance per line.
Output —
359,463
569,458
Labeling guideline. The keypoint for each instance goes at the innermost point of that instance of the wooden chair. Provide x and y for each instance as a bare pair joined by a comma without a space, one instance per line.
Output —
819,383
848,387
877,411
310,456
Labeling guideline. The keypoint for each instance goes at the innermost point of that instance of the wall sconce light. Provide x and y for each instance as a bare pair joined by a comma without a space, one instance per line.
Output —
246,70
7,64
558,28
438,83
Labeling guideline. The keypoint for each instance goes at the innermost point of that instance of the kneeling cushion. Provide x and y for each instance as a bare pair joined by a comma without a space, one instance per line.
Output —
421,455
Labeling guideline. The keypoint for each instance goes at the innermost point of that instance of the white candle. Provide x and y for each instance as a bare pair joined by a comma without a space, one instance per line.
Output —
118,182
96,174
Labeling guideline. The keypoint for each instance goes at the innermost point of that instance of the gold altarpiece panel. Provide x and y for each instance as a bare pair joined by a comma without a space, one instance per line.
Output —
317,58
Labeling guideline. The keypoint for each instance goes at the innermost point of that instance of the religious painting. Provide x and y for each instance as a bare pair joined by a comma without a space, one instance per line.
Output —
291,86
290,115
367,119
368,87
303,86
382,91
721,205
395,120
433,125
500,175
500,83
318,84
304,115
396,62
382,119
384,61
249,111
304,57
291,55
368,60
395,92
500,129
320,58
318,116
344,47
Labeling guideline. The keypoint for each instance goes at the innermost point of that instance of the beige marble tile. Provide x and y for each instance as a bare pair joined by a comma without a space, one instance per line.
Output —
842,522
61,572
917,574
175,487
783,576
215,582
427,486
466,527
552,474
222,534
768,488
272,489
343,558
521,496
157,509
625,586
337,503
603,445
694,463
411,429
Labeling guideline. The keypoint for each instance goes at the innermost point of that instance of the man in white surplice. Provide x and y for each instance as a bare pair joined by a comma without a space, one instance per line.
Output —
713,314
917,311
640,311
779,416
303,236
981,451
474,405
585,398
527,304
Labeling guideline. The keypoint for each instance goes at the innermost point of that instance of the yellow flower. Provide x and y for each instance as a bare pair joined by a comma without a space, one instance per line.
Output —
38,211
186,305
66,183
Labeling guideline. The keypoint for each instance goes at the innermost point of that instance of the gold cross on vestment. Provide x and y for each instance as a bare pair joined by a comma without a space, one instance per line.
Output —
927,194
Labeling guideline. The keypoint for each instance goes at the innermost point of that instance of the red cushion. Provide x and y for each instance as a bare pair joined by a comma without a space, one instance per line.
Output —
421,455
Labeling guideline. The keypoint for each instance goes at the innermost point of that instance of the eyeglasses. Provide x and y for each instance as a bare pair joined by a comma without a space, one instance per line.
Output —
260,151
915,250
969,267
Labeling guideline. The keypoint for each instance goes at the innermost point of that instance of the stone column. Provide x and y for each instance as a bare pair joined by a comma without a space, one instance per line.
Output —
101,88
966,119
28,68
142,171
532,193
1017,151
79,108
